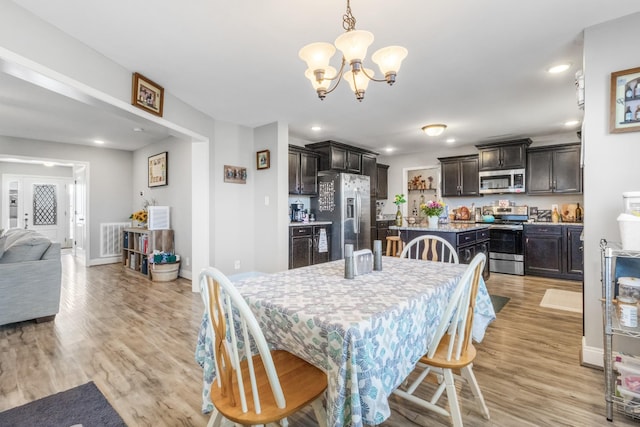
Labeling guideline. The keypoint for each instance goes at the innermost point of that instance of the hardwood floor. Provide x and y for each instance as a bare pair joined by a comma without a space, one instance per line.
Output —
136,339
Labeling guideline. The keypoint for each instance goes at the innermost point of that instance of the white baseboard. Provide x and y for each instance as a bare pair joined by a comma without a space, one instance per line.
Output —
592,356
102,261
186,274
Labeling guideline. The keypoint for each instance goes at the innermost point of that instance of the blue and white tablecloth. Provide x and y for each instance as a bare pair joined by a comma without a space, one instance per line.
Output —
366,333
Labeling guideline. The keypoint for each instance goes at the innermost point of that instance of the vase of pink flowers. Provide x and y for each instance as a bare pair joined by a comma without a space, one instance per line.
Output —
432,209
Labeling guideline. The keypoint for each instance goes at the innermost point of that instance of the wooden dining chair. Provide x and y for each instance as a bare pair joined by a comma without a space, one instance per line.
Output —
451,350
430,247
260,389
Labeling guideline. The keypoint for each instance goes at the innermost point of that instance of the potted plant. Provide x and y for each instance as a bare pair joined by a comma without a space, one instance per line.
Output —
432,209
399,200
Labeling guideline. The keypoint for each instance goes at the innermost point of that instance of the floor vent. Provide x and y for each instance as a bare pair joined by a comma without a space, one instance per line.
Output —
111,238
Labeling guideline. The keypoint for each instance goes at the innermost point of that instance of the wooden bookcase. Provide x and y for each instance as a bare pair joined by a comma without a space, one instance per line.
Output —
138,243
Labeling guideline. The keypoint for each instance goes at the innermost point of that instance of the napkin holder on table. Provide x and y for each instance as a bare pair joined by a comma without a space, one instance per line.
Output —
363,262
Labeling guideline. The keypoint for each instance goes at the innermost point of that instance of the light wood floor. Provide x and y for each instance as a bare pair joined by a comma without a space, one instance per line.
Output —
136,338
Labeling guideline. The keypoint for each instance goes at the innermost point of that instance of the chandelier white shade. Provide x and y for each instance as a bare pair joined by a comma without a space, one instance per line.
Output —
353,45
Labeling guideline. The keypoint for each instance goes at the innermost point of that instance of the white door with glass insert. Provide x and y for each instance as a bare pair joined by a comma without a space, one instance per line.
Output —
38,203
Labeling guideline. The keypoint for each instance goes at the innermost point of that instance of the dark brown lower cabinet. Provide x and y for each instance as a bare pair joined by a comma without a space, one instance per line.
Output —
553,251
382,231
304,245
467,243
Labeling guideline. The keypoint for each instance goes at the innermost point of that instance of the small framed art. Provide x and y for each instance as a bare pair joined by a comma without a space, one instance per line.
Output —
625,101
262,159
147,95
235,174
158,170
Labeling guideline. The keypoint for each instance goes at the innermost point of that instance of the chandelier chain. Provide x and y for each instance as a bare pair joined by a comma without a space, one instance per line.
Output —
348,20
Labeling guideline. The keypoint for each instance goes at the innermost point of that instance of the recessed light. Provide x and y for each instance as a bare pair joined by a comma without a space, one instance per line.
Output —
389,149
98,141
571,123
451,140
558,68
316,128
138,129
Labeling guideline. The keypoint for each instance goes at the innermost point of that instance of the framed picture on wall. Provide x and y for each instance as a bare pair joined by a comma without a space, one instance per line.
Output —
158,170
147,95
625,101
235,174
262,159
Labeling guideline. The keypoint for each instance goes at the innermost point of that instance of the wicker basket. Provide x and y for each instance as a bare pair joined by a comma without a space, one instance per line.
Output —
165,272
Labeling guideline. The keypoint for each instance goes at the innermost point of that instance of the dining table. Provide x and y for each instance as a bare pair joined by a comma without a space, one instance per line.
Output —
366,333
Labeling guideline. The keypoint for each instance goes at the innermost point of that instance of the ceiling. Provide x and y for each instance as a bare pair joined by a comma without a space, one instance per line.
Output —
478,66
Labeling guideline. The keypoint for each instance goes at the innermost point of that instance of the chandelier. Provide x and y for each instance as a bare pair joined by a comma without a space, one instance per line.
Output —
353,44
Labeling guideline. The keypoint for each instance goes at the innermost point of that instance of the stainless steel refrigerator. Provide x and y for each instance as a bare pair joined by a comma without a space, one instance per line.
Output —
344,199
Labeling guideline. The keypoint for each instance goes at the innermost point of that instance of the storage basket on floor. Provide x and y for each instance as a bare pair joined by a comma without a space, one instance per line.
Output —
165,272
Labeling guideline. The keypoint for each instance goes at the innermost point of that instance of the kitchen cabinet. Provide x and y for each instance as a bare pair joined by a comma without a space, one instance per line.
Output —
459,176
369,169
304,245
553,251
382,181
554,169
341,157
382,231
303,171
503,155
138,243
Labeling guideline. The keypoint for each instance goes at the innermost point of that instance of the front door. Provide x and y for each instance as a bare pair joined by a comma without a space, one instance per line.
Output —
38,203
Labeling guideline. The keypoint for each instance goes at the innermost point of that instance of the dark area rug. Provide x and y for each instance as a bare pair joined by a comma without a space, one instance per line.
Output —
83,405
498,302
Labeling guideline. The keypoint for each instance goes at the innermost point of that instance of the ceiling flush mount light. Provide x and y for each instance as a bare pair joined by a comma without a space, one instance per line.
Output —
558,68
353,44
434,130
316,128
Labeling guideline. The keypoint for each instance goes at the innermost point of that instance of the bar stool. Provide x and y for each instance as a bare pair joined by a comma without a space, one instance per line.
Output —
394,246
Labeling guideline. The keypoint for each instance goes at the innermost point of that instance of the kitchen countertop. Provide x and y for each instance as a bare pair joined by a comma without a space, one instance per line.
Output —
306,224
553,223
448,227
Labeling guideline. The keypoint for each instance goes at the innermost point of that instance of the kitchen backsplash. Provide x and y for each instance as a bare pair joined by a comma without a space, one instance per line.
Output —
541,202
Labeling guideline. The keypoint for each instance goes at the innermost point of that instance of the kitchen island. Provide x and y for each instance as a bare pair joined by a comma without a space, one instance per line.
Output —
468,238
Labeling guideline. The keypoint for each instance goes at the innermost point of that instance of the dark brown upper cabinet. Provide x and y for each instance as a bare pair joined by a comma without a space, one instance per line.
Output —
554,169
303,171
460,176
503,155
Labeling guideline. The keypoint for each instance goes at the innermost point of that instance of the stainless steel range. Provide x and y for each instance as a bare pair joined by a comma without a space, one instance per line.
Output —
506,245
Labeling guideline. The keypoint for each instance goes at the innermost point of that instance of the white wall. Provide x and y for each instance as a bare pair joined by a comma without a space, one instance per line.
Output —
271,222
110,177
233,233
176,194
611,160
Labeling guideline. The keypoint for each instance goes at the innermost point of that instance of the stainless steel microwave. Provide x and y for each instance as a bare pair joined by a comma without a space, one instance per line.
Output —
502,181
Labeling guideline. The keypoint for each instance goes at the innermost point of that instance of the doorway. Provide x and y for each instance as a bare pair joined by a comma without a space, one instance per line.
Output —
38,203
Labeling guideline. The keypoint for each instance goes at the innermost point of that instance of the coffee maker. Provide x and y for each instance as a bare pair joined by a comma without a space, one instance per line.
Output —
297,212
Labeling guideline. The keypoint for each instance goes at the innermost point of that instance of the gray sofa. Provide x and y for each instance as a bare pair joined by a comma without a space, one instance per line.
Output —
30,276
